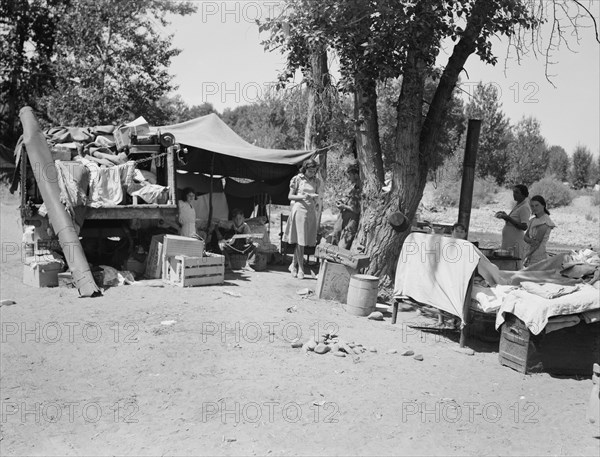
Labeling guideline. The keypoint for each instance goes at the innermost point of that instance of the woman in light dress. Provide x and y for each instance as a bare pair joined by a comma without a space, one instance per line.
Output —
301,228
187,214
538,231
516,222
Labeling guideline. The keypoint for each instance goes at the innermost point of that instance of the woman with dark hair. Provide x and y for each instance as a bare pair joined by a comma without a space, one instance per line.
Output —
301,228
538,231
344,229
187,214
516,222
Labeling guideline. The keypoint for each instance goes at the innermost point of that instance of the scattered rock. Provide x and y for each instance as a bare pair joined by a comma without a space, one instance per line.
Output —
304,291
372,349
418,357
375,316
297,344
392,351
409,352
339,354
7,302
357,350
312,344
335,348
351,345
322,348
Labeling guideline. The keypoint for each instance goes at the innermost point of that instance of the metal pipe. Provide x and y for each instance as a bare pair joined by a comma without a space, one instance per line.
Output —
46,176
468,177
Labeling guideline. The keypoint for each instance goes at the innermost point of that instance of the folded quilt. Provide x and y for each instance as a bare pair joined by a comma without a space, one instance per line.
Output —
549,290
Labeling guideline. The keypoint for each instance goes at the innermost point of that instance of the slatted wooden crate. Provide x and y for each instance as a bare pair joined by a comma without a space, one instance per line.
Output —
154,260
185,271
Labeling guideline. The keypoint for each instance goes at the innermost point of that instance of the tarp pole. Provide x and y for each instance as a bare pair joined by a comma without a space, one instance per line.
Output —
46,176
210,194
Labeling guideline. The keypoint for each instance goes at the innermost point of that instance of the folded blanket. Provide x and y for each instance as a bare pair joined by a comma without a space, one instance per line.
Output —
558,322
549,290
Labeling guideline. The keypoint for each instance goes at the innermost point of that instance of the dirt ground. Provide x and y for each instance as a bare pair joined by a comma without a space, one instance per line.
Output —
162,370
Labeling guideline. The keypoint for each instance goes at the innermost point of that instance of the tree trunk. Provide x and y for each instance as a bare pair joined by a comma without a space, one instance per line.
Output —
415,141
318,120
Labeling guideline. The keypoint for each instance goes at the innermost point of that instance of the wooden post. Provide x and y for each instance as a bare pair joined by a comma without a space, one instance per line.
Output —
468,178
171,181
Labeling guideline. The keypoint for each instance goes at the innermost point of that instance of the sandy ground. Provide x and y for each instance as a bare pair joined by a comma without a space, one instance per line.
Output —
155,371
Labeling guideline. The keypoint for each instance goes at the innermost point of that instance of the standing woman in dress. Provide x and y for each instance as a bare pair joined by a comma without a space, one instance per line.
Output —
301,228
538,231
187,214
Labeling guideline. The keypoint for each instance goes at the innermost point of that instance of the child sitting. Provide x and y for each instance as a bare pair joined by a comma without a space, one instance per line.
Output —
243,246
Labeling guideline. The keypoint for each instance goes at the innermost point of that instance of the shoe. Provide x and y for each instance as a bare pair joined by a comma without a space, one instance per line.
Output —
294,273
300,274
248,268
292,267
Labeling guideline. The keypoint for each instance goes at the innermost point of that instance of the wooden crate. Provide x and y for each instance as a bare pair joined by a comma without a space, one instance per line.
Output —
184,271
518,349
174,245
568,351
333,282
154,260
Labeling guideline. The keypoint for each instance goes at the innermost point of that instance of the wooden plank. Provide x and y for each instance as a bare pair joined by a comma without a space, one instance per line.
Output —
333,282
192,272
205,281
133,212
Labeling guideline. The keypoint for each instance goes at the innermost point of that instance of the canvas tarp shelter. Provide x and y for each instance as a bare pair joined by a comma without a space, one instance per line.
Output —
233,156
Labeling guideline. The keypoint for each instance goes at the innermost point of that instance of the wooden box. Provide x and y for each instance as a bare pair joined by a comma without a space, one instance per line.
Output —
154,260
333,282
41,274
568,351
174,245
184,271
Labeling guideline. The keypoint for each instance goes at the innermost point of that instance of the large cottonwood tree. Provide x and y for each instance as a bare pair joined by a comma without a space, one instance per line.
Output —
379,39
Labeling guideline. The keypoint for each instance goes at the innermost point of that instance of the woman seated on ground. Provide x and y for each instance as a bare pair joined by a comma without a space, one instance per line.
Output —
239,245
538,231
187,214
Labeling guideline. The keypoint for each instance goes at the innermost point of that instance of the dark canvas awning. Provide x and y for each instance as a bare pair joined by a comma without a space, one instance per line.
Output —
233,156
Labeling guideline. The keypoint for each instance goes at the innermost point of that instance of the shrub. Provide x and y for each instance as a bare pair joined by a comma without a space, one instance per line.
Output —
447,192
554,192
484,191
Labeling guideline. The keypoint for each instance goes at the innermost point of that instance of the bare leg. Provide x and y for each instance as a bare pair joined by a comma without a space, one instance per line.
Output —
299,256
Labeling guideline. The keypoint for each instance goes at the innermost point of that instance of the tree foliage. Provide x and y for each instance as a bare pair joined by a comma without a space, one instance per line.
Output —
528,153
382,39
558,163
582,161
111,60
495,135
85,61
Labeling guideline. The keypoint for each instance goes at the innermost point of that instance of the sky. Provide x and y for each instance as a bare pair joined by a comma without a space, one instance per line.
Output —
222,62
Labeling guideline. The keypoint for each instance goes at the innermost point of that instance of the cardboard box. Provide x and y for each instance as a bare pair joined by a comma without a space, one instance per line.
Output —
42,274
184,271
